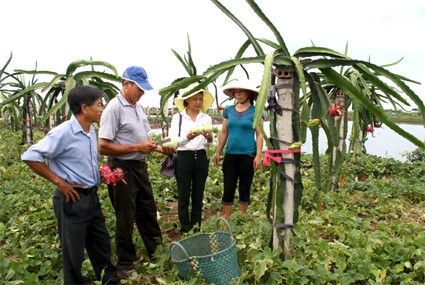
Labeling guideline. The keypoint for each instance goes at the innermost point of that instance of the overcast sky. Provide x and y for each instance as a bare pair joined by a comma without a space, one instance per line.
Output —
130,32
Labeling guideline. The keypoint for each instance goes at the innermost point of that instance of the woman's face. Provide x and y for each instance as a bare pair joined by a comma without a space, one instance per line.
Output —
195,102
241,95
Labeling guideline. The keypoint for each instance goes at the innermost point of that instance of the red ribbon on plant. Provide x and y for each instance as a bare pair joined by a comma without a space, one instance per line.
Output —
278,159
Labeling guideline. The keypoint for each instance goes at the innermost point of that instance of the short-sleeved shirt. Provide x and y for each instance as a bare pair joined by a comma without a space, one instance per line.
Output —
241,134
124,124
72,153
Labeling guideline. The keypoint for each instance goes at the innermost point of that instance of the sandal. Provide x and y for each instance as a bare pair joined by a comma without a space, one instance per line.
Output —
126,273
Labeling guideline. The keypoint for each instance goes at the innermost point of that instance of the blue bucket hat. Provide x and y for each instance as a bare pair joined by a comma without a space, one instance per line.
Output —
139,76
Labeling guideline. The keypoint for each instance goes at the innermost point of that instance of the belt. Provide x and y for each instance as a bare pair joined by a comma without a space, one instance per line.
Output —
131,161
87,191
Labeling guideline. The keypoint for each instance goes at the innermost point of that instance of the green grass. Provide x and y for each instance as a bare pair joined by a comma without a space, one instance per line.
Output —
369,232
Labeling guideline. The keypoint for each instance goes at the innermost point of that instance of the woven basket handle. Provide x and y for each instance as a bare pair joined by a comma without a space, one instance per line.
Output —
181,247
227,223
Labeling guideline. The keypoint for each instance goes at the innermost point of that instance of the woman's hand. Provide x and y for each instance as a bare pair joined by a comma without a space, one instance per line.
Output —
217,159
257,162
208,135
191,135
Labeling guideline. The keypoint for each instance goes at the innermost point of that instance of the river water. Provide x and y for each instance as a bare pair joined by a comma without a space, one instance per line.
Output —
384,142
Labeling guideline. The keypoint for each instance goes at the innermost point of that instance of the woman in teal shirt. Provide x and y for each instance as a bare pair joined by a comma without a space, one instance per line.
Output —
243,149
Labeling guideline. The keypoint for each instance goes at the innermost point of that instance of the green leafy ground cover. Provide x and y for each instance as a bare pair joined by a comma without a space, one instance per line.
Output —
369,232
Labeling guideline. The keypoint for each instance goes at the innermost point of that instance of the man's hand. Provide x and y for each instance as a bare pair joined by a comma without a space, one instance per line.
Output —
147,147
43,170
69,191
165,150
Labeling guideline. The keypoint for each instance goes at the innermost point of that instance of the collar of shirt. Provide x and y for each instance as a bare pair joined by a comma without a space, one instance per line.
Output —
122,100
198,117
138,108
76,127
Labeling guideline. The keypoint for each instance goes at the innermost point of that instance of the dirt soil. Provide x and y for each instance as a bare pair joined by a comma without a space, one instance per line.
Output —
171,217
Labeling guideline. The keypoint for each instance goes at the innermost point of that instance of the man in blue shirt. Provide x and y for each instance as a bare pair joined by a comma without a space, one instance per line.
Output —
71,149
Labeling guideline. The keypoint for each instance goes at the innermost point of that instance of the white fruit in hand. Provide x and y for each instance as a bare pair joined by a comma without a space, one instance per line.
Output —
208,128
172,144
196,129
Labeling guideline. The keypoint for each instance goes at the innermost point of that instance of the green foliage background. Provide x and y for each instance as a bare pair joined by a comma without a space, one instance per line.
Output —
369,232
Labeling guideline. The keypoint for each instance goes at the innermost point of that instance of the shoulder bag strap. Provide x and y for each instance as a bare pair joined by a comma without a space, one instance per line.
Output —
180,123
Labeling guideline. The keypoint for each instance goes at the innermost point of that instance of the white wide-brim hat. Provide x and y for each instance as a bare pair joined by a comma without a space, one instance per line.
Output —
241,84
208,98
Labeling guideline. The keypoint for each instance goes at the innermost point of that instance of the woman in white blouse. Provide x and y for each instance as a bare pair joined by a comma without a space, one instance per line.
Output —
188,126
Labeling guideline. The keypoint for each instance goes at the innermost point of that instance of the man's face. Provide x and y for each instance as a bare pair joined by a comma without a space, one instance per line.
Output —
94,112
134,92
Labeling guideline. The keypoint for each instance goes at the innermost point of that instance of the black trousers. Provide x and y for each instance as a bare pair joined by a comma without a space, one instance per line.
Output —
81,225
134,203
237,167
191,174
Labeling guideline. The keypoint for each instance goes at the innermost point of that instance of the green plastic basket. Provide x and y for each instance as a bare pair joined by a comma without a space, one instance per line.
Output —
210,255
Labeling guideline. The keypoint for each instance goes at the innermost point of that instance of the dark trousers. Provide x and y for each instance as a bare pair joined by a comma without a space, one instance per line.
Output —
134,203
191,174
82,225
237,167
